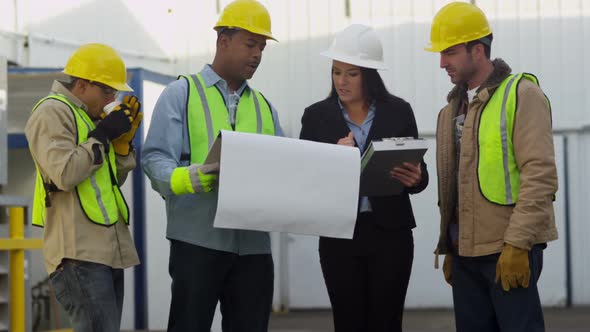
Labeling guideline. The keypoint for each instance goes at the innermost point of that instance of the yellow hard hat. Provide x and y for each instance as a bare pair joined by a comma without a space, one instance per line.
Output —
457,23
98,63
249,15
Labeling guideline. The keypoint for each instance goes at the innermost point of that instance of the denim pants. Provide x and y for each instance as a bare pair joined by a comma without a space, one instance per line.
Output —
91,294
482,305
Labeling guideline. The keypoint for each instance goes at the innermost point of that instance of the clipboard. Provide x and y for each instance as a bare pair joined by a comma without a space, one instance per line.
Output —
381,156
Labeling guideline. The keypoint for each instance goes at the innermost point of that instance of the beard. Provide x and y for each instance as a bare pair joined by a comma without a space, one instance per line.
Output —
466,73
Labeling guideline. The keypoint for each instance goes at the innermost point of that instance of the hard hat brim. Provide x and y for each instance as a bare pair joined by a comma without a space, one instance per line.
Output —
264,33
434,49
121,87
355,60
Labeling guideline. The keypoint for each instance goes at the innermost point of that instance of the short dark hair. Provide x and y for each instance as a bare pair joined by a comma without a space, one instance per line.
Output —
485,41
226,31
373,86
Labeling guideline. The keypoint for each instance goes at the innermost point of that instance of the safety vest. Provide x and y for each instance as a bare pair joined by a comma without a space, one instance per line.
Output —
99,195
498,173
207,115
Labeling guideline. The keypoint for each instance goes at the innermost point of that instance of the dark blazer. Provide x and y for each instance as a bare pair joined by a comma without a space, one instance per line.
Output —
324,122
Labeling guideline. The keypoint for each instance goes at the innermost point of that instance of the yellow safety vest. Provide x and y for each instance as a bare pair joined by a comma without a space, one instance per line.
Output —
497,171
207,115
99,195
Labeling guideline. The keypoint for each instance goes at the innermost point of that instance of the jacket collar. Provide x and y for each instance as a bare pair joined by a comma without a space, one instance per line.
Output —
340,122
501,71
58,87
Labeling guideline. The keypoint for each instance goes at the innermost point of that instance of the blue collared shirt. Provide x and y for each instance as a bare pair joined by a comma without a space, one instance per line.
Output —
360,134
190,217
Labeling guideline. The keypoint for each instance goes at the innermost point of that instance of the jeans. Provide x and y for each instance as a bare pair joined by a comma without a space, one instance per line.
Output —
91,294
482,305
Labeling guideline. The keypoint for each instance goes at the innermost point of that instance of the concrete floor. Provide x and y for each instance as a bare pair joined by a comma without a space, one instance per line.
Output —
556,320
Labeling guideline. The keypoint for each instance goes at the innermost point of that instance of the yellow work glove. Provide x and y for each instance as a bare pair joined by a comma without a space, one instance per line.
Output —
513,268
112,126
447,268
203,177
122,144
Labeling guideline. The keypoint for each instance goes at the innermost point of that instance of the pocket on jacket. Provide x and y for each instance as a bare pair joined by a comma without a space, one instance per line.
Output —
491,221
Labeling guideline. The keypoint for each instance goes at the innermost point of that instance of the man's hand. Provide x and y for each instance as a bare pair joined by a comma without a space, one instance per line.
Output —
447,268
122,144
112,126
203,177
513,268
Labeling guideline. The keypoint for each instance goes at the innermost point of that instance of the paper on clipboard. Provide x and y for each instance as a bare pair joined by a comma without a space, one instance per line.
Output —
279,184
381,156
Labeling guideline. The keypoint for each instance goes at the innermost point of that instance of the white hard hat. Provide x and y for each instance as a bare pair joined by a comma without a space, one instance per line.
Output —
357,45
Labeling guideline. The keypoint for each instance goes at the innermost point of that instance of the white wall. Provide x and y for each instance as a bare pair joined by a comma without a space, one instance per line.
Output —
158,248
579,182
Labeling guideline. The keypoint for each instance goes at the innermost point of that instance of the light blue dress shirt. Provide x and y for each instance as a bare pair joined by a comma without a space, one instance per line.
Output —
360,134
190,217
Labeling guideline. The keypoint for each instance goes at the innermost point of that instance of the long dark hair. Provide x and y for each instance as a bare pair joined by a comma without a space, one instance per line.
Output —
373,86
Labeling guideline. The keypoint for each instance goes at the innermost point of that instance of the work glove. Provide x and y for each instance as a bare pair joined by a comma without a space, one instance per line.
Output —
447,268
113,125
203,177
513,268
122,145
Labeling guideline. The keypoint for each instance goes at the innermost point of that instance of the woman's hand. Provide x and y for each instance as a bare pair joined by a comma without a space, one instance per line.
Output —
408,174
348,140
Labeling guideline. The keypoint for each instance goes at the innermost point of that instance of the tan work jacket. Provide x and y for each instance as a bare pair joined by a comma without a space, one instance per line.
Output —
484,226
51,133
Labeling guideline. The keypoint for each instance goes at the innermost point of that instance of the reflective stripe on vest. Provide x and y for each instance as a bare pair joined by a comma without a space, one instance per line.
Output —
99,195
207,115
498,173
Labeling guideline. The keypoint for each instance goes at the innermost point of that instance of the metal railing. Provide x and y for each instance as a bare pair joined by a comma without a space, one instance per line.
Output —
16,244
